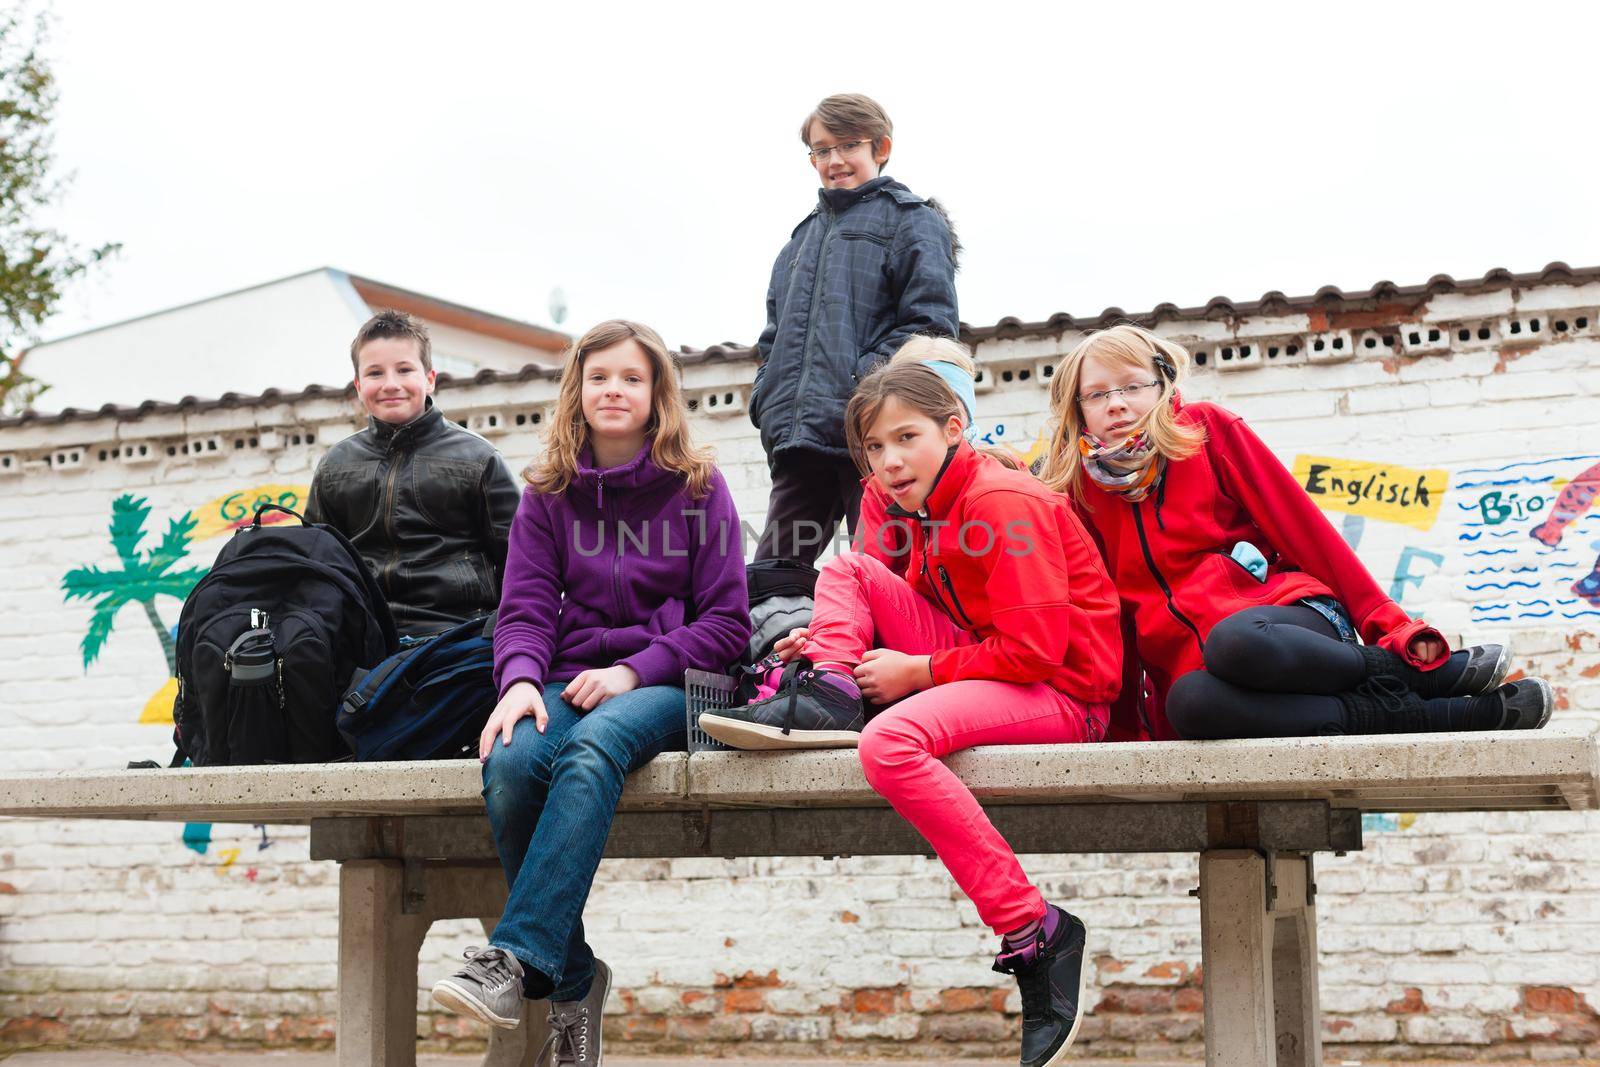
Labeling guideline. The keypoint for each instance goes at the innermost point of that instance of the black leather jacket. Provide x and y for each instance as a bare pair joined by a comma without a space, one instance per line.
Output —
429,507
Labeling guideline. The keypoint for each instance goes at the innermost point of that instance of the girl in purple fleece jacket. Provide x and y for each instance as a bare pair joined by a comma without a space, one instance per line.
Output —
624,569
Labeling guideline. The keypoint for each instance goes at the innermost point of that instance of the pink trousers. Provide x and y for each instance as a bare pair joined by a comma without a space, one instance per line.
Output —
861,604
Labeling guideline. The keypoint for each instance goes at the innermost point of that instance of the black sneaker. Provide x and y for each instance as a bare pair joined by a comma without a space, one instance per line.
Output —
806,712
1051,976
1525,704
1383,705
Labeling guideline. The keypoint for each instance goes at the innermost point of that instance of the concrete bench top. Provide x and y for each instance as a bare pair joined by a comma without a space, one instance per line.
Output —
1555,769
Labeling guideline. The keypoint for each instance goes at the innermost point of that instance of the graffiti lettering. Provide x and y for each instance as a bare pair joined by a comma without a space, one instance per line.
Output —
1497,507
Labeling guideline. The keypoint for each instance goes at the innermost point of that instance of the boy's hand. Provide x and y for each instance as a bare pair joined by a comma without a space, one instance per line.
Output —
886,676
521,700
792,645
594,687
1426,648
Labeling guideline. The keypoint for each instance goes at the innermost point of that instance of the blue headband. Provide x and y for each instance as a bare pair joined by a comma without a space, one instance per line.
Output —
960,382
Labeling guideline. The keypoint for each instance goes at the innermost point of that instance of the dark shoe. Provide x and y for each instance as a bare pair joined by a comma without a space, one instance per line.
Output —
575,1025
806,712
1525,704
1468,672
1051,976
1384,705
488,988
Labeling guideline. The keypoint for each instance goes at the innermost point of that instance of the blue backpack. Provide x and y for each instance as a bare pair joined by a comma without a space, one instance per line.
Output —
430,700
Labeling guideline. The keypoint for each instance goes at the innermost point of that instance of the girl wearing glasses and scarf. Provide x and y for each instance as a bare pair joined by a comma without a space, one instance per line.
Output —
1246,612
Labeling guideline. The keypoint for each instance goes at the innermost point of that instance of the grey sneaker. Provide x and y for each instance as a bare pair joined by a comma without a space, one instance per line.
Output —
575,1026
806,712
488,988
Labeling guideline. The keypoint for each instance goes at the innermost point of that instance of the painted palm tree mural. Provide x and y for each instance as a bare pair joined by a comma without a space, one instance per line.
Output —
143,577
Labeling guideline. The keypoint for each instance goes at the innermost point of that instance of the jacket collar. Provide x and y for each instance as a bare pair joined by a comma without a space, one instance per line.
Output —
838,201
960,466
637,473
409,434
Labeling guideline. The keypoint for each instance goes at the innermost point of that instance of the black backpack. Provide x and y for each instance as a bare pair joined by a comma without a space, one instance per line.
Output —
430,700
267,642
781,598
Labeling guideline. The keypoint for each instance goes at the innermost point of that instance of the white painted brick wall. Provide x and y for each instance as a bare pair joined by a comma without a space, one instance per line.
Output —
1450,933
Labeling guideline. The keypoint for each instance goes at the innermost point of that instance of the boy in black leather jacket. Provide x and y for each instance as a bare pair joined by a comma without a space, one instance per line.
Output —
427,503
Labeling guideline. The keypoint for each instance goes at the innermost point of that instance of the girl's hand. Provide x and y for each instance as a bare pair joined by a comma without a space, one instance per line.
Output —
791,646
594,687
885,675
521,700
1426,648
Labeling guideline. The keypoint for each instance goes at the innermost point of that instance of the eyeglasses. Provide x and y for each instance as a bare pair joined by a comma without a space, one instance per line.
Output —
819,155
1131,392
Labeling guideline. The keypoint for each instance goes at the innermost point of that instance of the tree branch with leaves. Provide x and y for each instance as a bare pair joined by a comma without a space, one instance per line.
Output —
37,262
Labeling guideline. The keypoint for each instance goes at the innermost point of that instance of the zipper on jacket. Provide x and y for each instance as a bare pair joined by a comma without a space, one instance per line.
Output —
955,601
616,556
1155,572
389,493
811,318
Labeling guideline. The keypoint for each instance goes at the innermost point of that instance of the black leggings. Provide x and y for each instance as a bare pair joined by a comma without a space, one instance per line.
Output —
1270,672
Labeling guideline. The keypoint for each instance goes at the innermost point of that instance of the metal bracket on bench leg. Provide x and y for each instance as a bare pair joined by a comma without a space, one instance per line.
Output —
412,894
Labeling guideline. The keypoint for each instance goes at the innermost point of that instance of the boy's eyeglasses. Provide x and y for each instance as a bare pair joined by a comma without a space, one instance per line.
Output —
1131,392
819,155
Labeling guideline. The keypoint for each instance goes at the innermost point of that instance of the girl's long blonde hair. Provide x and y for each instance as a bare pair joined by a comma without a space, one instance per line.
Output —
1127,346
568,431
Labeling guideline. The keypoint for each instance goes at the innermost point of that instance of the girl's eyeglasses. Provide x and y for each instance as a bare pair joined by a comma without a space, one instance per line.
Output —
1131,392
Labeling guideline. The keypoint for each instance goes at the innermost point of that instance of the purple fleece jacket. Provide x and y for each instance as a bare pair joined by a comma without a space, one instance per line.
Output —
622,567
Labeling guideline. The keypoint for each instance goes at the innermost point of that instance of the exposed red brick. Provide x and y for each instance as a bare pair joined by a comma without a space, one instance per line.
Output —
1136,1000
690,997
1189,999
1109,965
1379,316
744,1000
876,1001
1170,969
849,917
1339,1026
638,1027
752,980
997,999
7,887
1410,1004
33,1030
1554,1000
1588,672
953,1000
727,942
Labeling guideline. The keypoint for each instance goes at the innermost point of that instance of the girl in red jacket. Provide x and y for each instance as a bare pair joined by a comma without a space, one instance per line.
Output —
998,627
1247,609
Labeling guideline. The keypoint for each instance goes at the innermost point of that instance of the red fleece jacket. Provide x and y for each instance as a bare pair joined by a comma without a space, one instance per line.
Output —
1170,556
1008,561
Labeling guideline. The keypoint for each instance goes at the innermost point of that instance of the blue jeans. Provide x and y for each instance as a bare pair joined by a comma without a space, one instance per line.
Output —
551,798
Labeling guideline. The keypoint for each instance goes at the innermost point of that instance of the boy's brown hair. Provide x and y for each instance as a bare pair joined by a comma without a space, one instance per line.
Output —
849,114
391,323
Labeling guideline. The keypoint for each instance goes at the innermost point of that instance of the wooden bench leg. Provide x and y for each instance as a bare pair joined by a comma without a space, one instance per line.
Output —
518,1048
1260,960
378,947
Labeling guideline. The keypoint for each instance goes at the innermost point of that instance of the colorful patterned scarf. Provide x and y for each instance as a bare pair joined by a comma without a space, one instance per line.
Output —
1131,469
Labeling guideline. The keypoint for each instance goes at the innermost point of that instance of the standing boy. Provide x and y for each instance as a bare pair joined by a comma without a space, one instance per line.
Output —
872,265
427,503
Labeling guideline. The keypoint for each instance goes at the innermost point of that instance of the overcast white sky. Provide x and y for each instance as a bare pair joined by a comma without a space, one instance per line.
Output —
646,158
